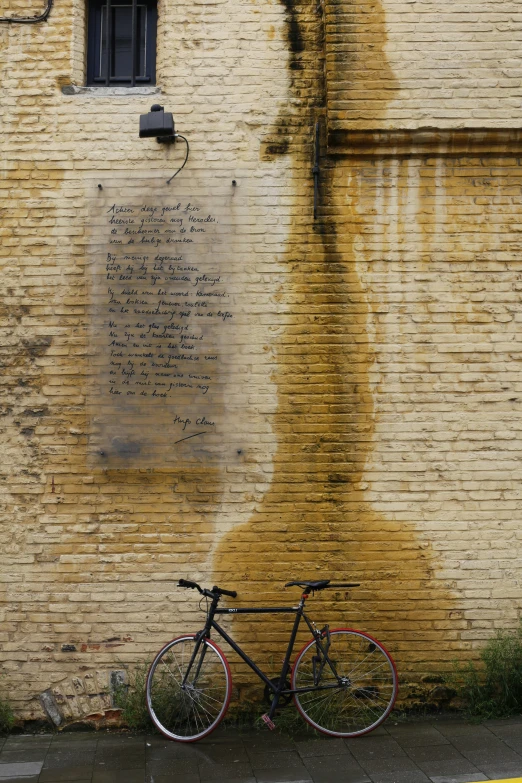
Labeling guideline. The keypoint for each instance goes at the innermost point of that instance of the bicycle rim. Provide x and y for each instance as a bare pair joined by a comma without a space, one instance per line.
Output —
364,685
188,707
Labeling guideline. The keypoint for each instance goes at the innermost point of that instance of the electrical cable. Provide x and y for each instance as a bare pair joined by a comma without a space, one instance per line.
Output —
179,136
29,19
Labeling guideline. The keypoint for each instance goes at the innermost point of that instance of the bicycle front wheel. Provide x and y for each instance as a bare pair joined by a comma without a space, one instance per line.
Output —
352,691
188,688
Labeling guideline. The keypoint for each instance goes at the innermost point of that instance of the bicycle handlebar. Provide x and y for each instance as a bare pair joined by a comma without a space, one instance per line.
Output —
220,591
192,585
210,593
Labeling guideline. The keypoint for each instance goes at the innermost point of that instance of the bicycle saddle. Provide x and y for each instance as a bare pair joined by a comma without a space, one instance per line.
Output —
320,585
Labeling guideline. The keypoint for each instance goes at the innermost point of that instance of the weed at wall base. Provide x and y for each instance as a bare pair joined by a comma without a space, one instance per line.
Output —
493,688
129,696
6,717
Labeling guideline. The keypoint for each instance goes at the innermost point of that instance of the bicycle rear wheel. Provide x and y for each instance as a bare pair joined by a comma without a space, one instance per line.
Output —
187,694
354,692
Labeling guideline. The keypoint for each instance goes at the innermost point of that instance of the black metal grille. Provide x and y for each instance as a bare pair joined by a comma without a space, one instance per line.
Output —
122,42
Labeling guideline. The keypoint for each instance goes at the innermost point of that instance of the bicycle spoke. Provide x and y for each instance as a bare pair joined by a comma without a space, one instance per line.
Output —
367,673
322,712
371,695
318,699
209,698
202,706
171,673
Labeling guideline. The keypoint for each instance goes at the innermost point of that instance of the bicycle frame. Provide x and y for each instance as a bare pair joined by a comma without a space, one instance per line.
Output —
277,690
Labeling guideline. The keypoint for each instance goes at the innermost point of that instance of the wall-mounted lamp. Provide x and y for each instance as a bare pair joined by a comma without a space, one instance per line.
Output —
159,124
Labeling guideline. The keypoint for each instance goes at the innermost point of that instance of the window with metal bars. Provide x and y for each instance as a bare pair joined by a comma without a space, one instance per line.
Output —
121,42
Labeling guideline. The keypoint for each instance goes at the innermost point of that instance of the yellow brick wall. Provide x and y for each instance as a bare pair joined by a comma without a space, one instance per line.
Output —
384,368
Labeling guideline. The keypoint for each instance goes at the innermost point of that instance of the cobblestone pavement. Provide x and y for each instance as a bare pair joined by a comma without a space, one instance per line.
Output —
440,751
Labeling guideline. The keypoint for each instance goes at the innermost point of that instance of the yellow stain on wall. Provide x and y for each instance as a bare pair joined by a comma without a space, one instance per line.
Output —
315,521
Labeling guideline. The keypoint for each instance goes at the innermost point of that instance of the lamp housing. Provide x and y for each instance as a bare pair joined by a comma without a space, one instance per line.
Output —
157,124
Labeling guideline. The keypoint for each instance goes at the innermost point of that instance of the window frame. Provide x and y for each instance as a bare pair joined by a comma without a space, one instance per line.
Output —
94,43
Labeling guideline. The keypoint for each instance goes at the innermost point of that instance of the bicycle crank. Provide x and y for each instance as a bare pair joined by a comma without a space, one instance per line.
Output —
284,698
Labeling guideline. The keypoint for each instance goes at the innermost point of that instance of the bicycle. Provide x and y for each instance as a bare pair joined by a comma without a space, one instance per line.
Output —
343,682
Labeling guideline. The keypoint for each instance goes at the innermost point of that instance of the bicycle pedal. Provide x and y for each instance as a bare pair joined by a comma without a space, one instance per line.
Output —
270,723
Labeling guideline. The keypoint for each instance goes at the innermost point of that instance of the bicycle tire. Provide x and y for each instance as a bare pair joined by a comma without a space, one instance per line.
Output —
188,713
364,699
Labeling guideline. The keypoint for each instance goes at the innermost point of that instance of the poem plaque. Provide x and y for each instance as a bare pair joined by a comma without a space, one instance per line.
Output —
168,322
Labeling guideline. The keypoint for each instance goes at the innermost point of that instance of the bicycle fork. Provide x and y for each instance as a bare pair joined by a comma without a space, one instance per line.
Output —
200,648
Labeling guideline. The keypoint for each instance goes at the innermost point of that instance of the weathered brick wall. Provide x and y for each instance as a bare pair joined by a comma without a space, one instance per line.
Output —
386,330
415,63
